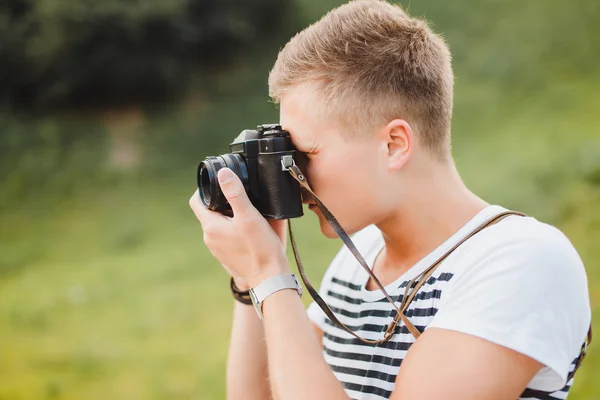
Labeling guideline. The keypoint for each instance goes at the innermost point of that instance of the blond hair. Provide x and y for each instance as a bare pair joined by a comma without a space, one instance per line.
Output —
373,63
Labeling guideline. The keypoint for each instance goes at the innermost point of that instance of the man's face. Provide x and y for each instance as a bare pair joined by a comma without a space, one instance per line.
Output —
348,175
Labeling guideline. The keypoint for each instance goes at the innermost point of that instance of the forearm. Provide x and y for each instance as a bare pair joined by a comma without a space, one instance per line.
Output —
247,375
297,368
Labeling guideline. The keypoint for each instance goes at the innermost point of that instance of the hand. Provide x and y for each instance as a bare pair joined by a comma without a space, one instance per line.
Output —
249,248
280,228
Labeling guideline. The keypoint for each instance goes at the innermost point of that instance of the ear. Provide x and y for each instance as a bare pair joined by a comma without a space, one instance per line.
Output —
400,141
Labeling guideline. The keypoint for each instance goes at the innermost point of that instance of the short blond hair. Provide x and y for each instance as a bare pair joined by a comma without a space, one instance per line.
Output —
373,63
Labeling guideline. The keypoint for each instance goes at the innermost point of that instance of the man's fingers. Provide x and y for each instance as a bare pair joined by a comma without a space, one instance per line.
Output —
212,222
234,192
201,212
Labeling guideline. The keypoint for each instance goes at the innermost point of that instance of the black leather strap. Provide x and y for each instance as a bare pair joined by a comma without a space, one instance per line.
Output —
243,296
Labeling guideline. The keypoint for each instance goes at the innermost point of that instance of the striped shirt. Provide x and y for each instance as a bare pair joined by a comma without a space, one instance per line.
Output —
449,299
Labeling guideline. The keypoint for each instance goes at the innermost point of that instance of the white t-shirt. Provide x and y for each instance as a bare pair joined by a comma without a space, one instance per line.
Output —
518,283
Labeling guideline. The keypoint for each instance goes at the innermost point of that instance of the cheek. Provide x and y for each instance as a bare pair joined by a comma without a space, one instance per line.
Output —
345,182
323,174
313,173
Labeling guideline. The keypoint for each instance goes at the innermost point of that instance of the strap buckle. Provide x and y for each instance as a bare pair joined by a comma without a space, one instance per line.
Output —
389,332
287,162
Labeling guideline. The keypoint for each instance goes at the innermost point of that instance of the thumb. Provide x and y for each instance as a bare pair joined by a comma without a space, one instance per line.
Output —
234,192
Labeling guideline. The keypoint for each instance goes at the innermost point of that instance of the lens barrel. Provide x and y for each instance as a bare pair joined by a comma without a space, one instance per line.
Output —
208,185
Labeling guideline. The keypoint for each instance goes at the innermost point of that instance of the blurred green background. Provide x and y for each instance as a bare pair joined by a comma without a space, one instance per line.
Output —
106,289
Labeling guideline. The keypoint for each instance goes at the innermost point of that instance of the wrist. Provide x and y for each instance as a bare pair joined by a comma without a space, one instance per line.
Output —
242,296
279,267
240,283
271,286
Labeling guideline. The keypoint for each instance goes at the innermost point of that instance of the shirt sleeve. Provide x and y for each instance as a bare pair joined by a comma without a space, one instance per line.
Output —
525,290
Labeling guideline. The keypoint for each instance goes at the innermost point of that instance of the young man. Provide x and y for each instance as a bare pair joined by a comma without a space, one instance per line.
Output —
366,94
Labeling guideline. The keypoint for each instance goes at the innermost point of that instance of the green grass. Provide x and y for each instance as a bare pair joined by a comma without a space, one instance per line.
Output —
110,294
116,297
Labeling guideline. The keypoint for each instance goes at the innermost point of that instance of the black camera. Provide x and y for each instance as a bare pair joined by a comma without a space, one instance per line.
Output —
260,159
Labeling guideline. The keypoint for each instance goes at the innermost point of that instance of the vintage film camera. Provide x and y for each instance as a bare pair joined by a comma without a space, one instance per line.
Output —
260,159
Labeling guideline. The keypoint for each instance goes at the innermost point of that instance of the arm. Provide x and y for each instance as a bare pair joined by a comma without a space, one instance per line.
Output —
294,353
247,373
247,376
318,332
463,367
296,364
519,304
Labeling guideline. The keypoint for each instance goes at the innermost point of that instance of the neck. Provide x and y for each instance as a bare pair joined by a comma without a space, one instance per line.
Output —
438,205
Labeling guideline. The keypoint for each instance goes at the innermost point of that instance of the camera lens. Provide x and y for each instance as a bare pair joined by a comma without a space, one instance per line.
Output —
205,184
208,185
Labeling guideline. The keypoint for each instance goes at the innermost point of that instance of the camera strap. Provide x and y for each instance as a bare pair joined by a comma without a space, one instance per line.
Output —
411,289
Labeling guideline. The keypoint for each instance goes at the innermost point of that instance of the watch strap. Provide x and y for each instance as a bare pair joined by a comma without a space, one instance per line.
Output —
273,285
243,296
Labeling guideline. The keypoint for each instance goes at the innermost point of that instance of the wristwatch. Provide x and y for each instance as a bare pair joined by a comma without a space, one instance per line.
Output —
270,286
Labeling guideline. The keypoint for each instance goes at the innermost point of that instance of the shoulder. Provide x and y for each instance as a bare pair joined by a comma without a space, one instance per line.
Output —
526,263
524,246
521,284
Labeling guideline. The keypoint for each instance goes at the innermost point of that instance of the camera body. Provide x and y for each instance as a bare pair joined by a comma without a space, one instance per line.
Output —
259,158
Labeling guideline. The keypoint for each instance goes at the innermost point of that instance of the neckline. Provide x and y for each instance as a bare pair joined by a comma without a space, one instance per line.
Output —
425,262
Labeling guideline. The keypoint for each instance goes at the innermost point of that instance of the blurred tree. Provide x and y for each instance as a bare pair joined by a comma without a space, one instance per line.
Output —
64,53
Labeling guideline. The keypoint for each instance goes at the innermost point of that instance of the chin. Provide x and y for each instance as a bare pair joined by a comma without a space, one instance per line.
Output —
328,231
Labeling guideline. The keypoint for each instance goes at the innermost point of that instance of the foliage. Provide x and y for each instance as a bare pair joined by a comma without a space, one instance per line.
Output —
105,288
58,53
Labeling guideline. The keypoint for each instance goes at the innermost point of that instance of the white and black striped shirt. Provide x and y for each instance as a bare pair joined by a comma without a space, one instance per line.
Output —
467,293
